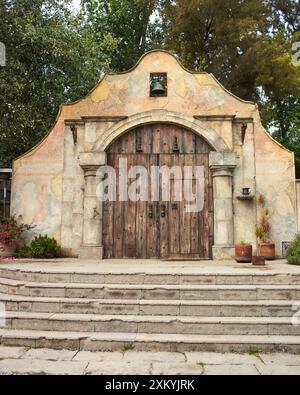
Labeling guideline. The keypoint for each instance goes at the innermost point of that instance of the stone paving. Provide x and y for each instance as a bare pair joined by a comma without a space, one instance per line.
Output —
22,361
150,266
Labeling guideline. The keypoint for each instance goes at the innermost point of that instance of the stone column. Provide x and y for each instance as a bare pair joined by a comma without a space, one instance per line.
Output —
92,247
222,165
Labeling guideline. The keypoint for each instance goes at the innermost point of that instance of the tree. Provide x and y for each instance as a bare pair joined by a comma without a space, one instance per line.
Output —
55,55
286,13
290,117
247,45
129,22
51,59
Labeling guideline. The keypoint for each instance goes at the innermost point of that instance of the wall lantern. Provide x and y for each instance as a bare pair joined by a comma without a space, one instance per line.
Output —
246,191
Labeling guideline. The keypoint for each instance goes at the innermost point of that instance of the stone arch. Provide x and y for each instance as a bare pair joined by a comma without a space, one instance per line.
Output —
160,116
222,162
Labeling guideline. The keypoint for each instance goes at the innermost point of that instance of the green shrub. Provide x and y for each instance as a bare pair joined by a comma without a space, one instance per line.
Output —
45,247
293,254
24,252
40,247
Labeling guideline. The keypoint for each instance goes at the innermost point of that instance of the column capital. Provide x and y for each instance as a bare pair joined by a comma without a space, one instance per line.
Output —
222,171
90,171
92,159
222,162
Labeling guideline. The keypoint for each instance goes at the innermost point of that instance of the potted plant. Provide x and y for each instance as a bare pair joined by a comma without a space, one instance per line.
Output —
10,234
263,231
243,252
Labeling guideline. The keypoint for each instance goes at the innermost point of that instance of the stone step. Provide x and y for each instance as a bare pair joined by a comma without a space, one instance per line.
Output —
152,324
85,341
153,292
158,276
205,308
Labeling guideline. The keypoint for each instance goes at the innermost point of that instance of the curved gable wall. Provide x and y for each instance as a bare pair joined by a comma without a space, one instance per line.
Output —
48,181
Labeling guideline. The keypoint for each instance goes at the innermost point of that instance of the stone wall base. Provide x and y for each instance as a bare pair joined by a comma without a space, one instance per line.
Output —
223,253
91,252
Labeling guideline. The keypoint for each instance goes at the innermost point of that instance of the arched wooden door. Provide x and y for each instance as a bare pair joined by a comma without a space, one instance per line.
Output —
158,228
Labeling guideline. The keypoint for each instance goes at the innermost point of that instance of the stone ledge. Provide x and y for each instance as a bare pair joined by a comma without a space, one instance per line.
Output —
96,159
91,252
222,160
108,118
214,118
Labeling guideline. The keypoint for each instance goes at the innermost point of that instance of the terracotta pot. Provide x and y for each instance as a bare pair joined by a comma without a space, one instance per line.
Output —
259,261
267,250
7,250
243,253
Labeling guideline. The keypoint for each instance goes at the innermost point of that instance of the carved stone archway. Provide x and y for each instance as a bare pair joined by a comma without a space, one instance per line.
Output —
222,163
161,116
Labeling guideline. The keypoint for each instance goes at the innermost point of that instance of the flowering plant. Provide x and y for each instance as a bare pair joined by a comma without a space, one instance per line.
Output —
11,231
263,231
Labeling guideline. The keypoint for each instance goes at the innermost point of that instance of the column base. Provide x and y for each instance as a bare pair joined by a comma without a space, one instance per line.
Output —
223,253
91,252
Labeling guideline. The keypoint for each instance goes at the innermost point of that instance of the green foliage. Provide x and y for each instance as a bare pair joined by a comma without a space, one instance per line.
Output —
244,243
247,45
56,55
263,230
254,351
287,125
129,22
45,247
127,347
261,233
293,254
24,252
52,58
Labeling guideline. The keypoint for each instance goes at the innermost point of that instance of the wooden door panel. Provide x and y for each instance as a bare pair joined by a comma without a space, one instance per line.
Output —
130,219
139,229
174,216
141,215
119,215
153,216
164,208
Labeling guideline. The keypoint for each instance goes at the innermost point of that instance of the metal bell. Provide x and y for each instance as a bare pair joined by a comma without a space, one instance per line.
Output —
157,88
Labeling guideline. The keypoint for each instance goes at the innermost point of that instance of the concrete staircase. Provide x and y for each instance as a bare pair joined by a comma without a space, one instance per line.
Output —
169,311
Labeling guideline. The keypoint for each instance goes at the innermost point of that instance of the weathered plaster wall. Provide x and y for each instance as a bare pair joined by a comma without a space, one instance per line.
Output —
244,177
37,185
275,178
188,93
49,184
298,203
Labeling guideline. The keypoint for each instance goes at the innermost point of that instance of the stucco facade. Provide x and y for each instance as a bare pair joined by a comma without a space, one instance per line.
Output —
54,185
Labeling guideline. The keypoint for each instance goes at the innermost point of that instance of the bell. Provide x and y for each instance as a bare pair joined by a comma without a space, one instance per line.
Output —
157,88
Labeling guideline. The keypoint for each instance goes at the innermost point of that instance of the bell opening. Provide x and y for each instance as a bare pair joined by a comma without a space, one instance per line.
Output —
158,85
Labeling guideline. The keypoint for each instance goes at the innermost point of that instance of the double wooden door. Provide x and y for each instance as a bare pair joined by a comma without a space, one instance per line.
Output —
160,226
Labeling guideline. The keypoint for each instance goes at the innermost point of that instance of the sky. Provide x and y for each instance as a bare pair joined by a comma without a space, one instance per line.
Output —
76,3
